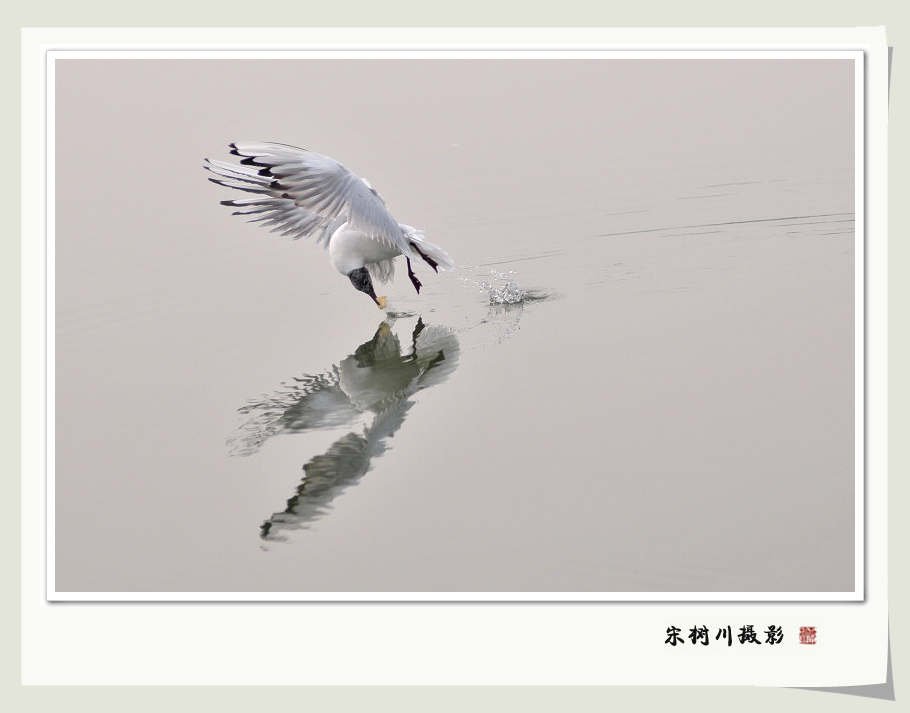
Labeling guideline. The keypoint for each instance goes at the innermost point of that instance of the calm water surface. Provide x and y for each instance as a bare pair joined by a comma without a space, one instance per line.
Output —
666,405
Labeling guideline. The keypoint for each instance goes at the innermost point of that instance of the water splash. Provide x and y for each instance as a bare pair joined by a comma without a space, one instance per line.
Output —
504,305
506,294
500,287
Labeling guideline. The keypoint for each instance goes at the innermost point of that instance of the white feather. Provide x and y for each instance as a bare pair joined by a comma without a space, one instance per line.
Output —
299,194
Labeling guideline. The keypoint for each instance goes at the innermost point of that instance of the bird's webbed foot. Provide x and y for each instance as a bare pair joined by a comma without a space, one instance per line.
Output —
417,284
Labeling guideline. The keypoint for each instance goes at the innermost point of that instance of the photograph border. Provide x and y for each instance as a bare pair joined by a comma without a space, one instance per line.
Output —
869,645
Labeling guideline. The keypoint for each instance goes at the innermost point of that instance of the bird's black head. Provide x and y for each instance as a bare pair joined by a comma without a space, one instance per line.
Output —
360,278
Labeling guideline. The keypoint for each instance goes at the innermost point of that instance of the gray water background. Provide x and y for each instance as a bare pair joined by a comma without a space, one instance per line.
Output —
671,410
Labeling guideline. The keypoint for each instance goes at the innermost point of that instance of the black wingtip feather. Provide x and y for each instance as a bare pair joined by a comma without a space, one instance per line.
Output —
251,161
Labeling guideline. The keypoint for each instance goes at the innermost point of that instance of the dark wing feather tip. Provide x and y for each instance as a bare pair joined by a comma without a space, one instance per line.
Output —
316,194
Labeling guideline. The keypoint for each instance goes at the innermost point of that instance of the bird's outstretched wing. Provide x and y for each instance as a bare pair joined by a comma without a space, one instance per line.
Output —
305,194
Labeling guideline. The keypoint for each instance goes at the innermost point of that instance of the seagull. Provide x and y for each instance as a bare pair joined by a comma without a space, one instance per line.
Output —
302,193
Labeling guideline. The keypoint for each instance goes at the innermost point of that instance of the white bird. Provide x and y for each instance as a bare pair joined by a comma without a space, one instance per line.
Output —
303,194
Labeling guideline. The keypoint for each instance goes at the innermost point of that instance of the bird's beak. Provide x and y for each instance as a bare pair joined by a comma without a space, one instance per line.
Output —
381,301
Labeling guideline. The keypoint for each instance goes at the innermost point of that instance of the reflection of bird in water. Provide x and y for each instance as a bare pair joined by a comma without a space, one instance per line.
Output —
376,381
302,193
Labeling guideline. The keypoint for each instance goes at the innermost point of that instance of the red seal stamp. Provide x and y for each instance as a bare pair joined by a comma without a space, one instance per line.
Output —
807,634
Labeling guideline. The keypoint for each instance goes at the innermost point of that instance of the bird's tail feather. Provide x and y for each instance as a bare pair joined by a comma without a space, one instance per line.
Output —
433,255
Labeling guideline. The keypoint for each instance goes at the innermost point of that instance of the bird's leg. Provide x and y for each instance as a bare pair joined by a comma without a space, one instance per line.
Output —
429,261
414,280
